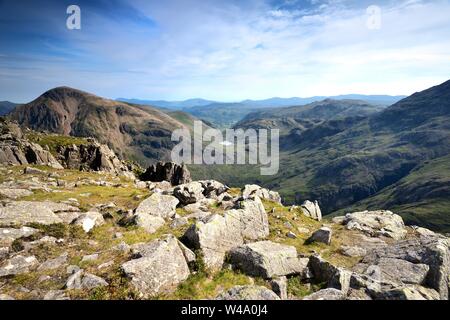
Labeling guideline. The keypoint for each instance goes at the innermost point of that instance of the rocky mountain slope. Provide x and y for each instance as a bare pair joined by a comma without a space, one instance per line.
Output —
77,227
132,131
344,161
66,234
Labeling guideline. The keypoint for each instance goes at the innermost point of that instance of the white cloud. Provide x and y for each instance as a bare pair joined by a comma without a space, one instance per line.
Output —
232,50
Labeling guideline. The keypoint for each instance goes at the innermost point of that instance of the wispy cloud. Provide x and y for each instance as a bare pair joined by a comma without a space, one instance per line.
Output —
225,50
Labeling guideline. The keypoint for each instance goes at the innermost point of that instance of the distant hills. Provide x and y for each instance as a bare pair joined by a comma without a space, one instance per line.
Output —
393,158
6,107
227,114
175,105
135,132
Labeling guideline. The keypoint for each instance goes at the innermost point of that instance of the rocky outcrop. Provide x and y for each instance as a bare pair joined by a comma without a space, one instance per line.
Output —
424,261
322,235
248,293
217,234
267,259
16,150
92,156
189,193
252,190
214,237
376,223
325,272
312,210
158,205
167,171
152,213
161,266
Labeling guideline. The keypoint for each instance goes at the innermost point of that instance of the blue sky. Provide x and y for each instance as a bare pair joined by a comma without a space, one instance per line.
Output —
223,50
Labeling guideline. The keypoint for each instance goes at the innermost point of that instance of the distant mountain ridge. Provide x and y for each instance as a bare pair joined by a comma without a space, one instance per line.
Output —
6,107
271,102
227,114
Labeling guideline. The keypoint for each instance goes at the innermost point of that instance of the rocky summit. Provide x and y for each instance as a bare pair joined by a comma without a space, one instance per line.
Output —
76,222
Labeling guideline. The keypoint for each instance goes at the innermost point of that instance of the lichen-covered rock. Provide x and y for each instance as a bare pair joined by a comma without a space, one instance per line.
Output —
189,193
80,279
8,235
430,251
158,205
253,219
252,190
55,263
326,294
267,259
18,213
160,268
376,223
214,236
248,293
312,210
409,293
18,265
15,193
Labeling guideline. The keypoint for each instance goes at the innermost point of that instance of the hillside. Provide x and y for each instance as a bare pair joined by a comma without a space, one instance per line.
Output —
227,114
341,162
132,131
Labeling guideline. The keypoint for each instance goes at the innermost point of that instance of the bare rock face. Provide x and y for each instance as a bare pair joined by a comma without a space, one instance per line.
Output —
312,210
160,269
376,223
268,259
252,190
248,293
15,150
167,171
418,254
92,156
